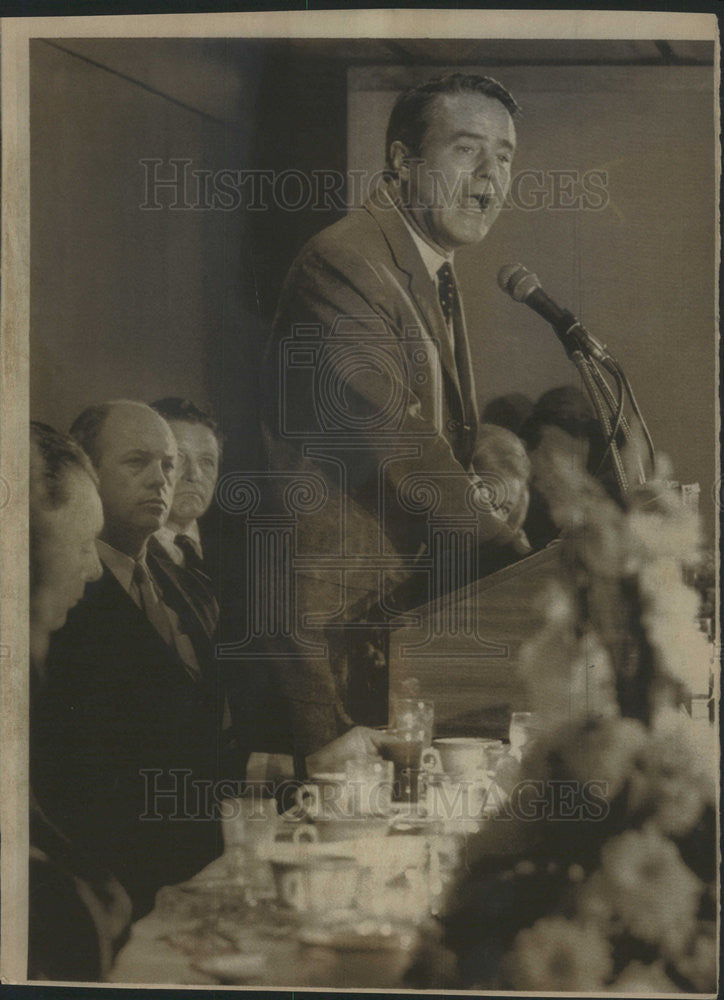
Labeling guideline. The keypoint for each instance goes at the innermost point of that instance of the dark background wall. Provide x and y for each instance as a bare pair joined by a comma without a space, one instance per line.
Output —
131,301
127,301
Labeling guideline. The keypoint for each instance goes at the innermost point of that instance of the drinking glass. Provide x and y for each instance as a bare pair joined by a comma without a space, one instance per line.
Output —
248,824
413,713
404,748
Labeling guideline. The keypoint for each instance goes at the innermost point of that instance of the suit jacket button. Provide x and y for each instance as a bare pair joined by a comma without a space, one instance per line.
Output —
454,425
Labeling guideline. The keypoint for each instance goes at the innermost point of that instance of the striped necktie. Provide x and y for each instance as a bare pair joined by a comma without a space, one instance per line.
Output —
158,615
152,607
187,548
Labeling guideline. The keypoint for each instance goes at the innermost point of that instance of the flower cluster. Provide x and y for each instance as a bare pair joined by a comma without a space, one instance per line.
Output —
631,904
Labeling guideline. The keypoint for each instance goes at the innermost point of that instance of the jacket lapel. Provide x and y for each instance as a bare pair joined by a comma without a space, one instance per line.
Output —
185,592
107,596
420,287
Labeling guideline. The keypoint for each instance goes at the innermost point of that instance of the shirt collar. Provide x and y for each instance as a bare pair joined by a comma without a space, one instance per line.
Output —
193,532
167,537
121,565
168,533
432,258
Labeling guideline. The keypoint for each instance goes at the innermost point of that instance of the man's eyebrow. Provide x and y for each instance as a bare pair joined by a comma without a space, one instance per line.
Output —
145,453
477,135
200,454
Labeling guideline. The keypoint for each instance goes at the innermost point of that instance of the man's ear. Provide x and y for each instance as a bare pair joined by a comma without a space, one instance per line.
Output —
400,157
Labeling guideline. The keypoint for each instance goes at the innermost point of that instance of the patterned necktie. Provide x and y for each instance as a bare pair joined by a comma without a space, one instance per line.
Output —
446,290
152,606
187,548
450,307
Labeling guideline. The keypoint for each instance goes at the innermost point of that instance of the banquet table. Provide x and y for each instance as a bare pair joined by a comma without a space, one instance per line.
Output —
279,959
202,932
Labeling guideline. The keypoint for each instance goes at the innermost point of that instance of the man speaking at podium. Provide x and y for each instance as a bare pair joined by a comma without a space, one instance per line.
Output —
369,395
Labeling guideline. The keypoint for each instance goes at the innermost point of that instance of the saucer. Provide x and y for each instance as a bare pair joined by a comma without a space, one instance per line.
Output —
366,935
232,968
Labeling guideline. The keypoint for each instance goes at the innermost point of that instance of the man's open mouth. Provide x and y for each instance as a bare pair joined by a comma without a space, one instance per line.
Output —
479,202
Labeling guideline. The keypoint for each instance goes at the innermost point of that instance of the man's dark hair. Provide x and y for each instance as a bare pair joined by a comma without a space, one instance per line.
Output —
87,426
53,457
510,411
177,408
412,114
565,407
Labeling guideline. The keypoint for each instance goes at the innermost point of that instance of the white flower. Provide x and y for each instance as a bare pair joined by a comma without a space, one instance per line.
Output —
698,964
601,750
655,894
595,906
556,955
640,978
674,534
671,782
682,651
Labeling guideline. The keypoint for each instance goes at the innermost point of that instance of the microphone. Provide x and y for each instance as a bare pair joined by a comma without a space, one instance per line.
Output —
523,286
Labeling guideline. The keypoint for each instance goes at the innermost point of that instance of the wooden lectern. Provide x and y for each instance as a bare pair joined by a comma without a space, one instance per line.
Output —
464,648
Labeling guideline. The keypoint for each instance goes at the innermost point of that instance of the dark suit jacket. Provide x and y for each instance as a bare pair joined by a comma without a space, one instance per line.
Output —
78,912
361,389
118,712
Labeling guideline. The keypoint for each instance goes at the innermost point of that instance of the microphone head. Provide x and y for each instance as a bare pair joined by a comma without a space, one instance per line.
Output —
506,273
517,281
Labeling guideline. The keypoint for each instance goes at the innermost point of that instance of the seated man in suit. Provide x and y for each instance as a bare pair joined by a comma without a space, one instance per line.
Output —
127,739
78,912
199,448
131,705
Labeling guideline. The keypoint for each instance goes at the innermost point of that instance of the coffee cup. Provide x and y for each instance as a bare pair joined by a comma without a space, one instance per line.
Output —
325,794
318,884
462,758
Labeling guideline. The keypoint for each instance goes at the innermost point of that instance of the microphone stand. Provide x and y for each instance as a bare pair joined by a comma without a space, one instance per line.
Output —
625,426
609,410
589,356
592,379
